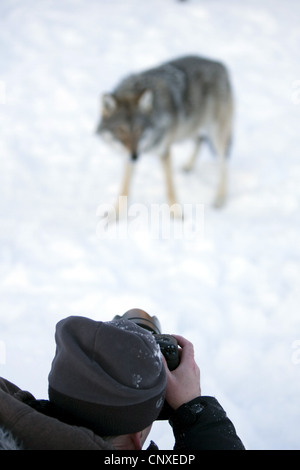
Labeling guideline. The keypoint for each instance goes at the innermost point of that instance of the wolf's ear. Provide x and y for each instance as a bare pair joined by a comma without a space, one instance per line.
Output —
145,102
109,104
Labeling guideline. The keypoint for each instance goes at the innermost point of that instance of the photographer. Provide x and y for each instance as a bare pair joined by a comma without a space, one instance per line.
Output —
108,383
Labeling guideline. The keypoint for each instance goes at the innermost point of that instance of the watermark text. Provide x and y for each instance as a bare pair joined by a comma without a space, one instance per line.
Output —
158,221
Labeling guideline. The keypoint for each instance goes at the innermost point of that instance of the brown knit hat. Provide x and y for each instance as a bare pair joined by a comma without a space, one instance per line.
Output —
107,376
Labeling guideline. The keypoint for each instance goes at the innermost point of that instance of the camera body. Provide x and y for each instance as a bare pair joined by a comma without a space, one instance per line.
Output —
167,343
169,348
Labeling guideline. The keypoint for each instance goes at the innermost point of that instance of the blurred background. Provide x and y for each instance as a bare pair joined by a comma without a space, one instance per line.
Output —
233,291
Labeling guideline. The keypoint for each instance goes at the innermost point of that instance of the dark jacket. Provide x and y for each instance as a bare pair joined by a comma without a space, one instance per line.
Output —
201,424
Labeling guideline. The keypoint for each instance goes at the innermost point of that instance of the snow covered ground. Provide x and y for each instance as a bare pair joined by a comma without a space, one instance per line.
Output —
232,290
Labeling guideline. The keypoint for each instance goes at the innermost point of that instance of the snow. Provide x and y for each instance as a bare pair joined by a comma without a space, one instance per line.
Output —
233,291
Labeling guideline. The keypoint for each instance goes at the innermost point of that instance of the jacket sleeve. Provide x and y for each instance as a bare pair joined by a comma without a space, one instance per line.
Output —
35,431
202,424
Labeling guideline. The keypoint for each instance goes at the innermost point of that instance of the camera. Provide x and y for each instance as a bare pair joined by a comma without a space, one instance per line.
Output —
167,343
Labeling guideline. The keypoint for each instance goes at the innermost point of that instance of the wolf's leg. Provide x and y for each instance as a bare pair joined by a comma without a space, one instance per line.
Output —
222,144
221,137
121,204
189,165
174,206
221,192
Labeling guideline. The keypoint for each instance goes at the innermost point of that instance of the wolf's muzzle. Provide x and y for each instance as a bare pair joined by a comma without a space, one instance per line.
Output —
134,156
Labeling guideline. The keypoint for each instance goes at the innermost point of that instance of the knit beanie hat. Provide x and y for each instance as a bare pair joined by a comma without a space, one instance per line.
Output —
107,376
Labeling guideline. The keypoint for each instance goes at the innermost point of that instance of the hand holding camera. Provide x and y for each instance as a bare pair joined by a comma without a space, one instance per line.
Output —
183,382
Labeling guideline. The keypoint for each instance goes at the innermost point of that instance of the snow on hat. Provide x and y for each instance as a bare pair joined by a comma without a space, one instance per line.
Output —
107,376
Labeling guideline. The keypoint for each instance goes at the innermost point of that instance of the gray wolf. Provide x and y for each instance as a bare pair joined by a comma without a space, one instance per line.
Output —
187,98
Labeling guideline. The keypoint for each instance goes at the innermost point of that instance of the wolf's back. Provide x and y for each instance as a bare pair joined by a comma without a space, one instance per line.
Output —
181,85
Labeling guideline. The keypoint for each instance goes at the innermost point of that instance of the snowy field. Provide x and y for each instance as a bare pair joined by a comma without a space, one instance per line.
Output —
232,284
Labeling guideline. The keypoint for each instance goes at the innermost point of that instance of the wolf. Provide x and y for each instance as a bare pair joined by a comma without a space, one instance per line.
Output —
186,98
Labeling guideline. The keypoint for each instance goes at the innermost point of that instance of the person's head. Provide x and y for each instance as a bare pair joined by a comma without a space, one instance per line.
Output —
109,377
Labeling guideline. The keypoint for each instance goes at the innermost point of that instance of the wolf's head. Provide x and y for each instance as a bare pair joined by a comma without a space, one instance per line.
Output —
127,120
